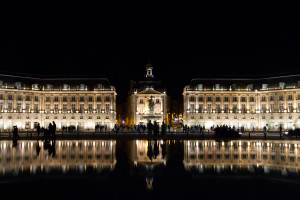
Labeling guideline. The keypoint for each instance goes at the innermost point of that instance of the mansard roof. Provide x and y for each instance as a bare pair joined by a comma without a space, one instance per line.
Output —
27,80
242,82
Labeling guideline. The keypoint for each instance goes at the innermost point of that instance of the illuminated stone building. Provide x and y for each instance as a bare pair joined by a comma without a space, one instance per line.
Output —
81,102
141,94
248,102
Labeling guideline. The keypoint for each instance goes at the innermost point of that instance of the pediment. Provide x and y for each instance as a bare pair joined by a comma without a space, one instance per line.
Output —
150,91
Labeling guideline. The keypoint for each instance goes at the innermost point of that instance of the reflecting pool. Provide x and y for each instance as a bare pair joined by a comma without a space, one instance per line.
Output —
151,168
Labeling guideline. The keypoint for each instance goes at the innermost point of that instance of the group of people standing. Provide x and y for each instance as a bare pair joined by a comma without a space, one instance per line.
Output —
48,132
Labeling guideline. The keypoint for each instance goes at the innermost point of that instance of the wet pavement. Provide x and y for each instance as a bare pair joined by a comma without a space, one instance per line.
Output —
150,169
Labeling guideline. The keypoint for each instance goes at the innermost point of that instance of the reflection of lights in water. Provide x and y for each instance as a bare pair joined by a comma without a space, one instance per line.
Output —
283,171
218,169
201,168
266,169
81,169
63,168
149,182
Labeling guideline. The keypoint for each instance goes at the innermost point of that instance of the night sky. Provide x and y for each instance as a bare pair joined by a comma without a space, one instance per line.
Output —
179,46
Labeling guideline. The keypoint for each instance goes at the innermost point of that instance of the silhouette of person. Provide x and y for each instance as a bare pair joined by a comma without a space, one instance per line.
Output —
15,132
38,148
155,149
38,129
150,151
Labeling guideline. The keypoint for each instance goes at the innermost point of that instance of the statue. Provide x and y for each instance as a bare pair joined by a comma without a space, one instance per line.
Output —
151,104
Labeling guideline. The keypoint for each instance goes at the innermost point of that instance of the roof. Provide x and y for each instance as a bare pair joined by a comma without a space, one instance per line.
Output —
27,80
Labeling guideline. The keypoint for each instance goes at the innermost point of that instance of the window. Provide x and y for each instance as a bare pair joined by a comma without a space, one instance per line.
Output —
200,98
280,98
36,108
98,107
90,107
200,108
64,117
55,99
263,108
243,99
19,107
290,107
290,97
218,99
65,99
10,97
226,99
98,98
141,100
235,117
234,99
208,98
81,99
192,98
201,117
27,108
56,107
90,98
157,101
107,117
218,108
90,117
1,96
243,108
73,107
81,108
226,117
98,117
263,117
64,107
290,117
55,117
252,99
209,107
47,99
19,98
263,98
272,107
280,107
271,98
192,107
226,109
234,108
106,107
107,98
73,98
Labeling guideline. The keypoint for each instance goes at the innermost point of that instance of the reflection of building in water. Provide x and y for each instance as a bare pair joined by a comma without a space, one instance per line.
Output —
149,152
69,156
270,155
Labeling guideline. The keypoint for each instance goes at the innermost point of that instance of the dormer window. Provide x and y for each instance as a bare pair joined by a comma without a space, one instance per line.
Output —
281,85
264,86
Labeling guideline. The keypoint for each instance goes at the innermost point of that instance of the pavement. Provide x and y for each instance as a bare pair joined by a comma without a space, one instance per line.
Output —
134,135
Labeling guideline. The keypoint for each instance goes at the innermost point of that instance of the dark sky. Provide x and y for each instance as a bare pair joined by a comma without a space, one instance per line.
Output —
180,45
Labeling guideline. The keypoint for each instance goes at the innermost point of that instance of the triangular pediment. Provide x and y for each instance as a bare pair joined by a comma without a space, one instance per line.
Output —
150,91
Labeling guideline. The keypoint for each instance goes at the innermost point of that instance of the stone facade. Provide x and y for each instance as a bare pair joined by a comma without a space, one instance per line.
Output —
137,104
83,103
252,103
